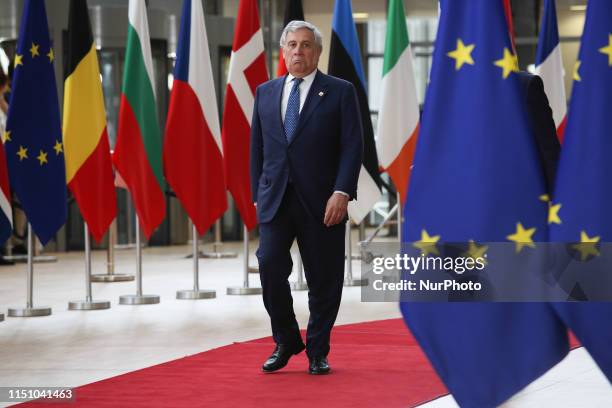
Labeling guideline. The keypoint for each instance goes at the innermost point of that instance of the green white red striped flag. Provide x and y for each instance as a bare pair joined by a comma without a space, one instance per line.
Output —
398,121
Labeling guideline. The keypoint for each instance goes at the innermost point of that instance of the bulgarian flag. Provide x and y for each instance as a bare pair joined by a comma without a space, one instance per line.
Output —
138,153
398,121
89,172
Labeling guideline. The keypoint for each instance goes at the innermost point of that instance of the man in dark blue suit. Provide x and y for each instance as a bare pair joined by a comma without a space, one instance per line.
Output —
542,125
306,153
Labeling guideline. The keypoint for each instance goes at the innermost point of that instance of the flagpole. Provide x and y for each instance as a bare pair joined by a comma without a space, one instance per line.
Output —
216,253
138,298
300,284
196,293
30,310
88,303
349,280
244,289
357,257
110,275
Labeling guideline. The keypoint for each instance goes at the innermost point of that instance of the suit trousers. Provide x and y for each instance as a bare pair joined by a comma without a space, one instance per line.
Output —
322,251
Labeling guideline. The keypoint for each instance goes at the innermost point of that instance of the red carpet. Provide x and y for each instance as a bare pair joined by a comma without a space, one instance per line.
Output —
375,364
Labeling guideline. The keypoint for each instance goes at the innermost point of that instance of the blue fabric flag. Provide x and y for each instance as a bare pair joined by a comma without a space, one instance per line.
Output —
34,146
583,195
345,63
477,176
343,27
548,39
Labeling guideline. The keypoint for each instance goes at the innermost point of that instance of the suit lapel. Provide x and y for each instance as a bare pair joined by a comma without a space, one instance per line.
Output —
277,96
317,92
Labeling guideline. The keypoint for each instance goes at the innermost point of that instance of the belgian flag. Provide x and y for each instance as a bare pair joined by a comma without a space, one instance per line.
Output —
89,171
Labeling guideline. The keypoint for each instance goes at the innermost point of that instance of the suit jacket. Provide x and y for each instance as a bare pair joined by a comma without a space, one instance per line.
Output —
543,126
325,153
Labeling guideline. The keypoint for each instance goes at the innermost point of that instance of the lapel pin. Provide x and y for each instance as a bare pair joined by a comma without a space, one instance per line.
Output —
321,93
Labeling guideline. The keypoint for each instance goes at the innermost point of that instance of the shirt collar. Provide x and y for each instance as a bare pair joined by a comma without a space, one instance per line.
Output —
308,79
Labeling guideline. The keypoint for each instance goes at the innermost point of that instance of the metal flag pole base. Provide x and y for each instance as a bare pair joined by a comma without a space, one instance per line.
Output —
138,298
29,310
241,290
125,246
349,280
114,277
216,253
37,259
299,284
245,289
195,293
110,275
88,303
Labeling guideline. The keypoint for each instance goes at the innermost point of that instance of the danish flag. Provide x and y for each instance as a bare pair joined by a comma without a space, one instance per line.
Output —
246,71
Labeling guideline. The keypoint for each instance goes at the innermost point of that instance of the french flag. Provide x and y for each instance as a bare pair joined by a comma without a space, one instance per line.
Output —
6,213
193,161
549,66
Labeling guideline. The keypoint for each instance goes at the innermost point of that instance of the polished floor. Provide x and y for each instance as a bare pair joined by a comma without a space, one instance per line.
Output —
71,348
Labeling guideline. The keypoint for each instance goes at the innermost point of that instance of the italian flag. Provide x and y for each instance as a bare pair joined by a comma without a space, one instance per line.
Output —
398,121
138,152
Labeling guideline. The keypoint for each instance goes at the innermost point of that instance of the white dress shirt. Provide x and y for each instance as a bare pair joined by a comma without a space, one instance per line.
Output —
304,88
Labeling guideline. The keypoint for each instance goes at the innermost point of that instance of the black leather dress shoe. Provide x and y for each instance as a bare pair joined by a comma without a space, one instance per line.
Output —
280,357
318,366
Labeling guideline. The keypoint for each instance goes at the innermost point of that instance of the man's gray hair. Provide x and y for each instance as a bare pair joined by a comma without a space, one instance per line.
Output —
295,25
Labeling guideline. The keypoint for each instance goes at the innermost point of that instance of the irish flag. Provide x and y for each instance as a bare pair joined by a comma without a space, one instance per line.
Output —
398,121
549,66
89,172
138,152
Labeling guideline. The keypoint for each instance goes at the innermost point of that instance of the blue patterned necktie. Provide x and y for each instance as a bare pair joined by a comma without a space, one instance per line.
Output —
292,115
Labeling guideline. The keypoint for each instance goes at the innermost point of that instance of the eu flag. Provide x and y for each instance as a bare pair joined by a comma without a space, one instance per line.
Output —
583,196
34,139
477,177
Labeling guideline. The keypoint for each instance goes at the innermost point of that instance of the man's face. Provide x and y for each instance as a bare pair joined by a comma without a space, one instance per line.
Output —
301,52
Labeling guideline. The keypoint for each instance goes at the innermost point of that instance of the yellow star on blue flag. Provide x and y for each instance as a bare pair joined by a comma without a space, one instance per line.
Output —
475,143
583,180
38,179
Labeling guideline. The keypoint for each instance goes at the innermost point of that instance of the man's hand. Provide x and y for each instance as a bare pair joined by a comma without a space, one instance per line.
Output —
336,209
